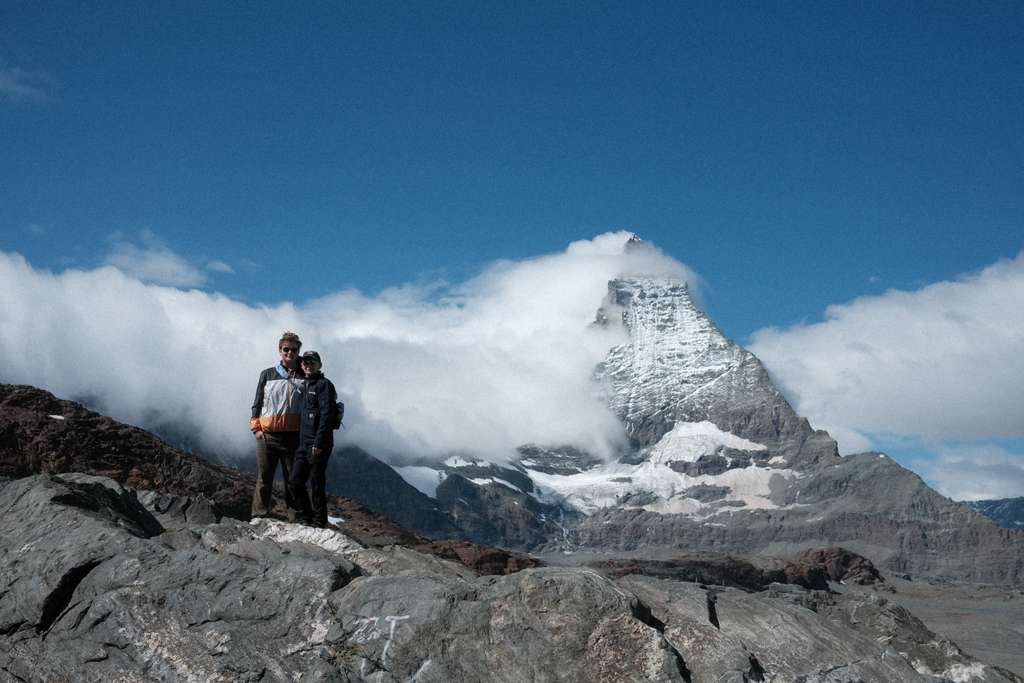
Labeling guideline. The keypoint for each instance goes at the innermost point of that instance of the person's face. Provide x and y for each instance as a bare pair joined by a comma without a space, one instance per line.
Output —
310,366
289,354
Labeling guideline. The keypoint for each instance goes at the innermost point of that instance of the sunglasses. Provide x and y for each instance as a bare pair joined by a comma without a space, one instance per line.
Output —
290,349
309,361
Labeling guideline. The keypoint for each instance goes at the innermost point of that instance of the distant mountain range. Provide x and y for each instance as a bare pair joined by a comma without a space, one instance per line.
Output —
1006,512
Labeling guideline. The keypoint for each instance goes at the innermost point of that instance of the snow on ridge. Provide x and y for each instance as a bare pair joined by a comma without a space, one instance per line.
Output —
424,479
690,441
611,485
494,480
614,484
674,355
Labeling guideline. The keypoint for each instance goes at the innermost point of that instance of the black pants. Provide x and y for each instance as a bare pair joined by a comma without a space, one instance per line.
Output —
312,467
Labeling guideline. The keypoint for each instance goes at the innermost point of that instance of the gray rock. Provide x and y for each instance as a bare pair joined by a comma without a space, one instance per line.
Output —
792,634
87,595
551,624
91,589
56,532
176,511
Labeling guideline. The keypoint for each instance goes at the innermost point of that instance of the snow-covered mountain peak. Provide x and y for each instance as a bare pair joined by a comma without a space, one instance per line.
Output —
709,432
677,367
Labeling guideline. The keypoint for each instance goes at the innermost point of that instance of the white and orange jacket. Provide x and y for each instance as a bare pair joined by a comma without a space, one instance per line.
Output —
278,404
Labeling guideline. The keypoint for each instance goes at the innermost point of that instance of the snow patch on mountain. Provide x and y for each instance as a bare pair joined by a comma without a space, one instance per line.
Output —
424,479
656,486
651,484
751,485
494,480
690,441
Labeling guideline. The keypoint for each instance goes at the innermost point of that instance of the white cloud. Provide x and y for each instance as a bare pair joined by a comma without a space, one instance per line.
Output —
497,362
143,354
220,267
944,362
940,365
974,472
15,84
154,264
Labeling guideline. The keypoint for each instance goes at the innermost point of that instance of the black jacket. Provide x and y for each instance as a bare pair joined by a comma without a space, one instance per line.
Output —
318,405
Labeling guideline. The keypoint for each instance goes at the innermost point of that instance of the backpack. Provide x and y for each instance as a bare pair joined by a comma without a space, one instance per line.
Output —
338,412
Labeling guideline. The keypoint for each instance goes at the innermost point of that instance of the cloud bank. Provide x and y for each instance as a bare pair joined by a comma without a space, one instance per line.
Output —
155,263
974,472
478,368
506,359
944,363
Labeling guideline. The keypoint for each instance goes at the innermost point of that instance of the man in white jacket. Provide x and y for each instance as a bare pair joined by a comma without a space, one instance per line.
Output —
276,419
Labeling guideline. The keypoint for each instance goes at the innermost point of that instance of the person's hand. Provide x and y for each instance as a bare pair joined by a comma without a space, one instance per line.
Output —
259,435
314,450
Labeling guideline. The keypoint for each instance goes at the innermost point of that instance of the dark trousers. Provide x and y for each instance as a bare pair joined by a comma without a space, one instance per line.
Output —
314,468
276,447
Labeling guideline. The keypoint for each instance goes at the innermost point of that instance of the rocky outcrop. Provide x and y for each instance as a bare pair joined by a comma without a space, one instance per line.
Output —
842,566
481,559
769,636
752,574
40,433
91,589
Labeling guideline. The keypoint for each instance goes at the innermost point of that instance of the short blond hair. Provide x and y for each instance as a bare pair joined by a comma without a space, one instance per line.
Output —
289,337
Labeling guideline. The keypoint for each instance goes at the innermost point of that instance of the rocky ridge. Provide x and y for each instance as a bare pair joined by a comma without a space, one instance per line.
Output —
94,587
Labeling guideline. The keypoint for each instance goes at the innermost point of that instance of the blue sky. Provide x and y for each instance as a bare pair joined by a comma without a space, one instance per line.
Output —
796,156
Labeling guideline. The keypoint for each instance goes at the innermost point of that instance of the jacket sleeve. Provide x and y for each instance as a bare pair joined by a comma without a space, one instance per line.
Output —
325,399
257,406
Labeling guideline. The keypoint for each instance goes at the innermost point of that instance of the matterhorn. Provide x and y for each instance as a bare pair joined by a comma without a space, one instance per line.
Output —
717,460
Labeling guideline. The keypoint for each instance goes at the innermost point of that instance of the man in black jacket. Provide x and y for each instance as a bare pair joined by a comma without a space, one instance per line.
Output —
316,441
